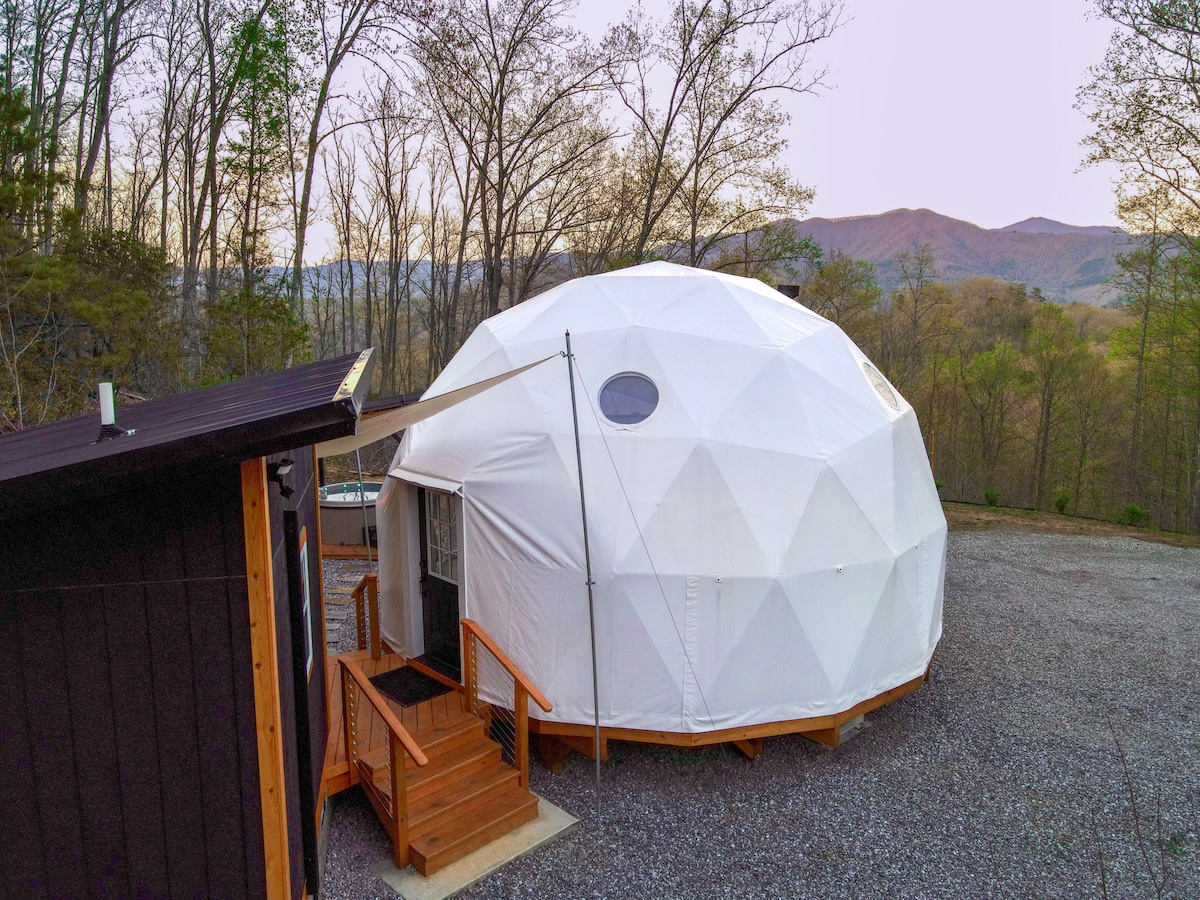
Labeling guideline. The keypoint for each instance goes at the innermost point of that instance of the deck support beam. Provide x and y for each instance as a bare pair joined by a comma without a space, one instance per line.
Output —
750,748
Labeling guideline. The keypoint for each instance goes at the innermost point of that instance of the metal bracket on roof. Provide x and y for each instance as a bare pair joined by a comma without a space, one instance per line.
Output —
350,388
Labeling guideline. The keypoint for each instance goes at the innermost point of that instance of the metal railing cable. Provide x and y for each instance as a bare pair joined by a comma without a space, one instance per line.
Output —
495,689
499,692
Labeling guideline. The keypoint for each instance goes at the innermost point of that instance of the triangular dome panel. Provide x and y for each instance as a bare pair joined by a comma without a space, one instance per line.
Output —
720,542
750,673
835,609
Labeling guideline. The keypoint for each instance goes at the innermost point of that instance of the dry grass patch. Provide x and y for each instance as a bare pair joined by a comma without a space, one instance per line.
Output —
976,517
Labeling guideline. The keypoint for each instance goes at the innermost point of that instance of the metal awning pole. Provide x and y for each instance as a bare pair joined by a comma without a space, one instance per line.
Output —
587,556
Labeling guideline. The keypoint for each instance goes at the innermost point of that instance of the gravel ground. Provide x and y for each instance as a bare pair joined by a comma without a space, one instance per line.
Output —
1054,754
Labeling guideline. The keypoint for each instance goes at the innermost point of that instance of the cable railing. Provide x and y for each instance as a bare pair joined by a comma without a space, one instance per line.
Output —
376,747
499,693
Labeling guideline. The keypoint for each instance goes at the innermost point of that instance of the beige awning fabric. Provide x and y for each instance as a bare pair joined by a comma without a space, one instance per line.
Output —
378,427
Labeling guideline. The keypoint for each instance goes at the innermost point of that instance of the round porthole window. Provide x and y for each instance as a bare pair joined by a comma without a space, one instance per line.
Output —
882,388
628,398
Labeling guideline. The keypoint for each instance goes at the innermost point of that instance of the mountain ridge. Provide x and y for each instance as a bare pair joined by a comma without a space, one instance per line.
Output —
1069,263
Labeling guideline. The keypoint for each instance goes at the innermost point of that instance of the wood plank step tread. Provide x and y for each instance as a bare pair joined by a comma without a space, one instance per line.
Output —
461,796
454,729
375,760
457,762
436,742
462,834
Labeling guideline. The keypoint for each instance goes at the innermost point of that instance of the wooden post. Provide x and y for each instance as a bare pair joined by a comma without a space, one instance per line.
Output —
468,673
399,802
521,735
264,655
373,614
351,766
360,617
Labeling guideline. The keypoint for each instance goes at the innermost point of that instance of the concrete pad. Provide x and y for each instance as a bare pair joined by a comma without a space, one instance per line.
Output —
550,824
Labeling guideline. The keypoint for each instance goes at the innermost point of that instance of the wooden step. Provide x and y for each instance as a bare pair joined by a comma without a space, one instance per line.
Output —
462,795
456,762
448,735
453,731
448,837
373,766
460,728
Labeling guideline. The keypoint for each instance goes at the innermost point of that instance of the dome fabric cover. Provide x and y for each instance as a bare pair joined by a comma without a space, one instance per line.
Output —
767,544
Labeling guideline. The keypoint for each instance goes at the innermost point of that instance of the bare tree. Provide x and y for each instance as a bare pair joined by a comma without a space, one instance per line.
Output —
715,133
1143,100
451,198
342,27
520,91
205,115
341,178
114,42
392,152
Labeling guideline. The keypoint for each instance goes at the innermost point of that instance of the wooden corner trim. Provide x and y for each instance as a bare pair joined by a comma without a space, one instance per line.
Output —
265,667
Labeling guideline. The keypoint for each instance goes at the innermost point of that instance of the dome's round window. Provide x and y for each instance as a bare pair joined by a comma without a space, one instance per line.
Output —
628,398
882,388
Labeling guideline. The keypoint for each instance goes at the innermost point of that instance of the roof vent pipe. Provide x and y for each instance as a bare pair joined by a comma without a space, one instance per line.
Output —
108,414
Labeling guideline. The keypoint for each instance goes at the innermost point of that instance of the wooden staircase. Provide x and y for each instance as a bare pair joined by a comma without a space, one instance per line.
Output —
441,786
466,796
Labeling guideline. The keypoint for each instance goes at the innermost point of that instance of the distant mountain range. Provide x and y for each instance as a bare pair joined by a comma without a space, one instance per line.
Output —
1069,263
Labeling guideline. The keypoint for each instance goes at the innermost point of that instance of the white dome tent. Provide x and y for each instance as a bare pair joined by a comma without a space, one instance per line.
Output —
767,544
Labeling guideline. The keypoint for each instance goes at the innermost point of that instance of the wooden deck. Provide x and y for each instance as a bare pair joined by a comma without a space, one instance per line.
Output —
556,740
420,717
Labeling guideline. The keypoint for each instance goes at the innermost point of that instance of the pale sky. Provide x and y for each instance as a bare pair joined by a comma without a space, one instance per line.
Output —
961,106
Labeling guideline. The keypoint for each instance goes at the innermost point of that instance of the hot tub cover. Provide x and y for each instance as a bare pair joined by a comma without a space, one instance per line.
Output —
767,542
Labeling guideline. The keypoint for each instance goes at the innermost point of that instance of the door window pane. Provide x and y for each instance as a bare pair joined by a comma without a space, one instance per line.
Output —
441,527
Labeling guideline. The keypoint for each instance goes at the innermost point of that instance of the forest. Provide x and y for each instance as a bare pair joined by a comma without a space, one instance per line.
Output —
167,168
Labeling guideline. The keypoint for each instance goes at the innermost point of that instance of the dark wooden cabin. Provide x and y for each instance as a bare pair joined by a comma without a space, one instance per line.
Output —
163,715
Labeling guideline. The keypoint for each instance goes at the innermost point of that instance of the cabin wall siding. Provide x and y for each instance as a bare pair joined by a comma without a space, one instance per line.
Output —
128,749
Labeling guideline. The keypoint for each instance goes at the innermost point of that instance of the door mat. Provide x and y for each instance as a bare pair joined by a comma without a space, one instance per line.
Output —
408,687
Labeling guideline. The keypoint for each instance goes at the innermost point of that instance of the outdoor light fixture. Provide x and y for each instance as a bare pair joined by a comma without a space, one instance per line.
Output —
275,473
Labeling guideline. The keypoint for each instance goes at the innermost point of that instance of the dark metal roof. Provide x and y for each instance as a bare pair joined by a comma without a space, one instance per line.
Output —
385,404
231,422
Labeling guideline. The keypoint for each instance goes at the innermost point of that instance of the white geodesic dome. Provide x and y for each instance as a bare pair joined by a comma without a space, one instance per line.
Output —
767,544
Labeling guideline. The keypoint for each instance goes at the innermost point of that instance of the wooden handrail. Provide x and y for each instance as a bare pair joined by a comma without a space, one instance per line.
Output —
501,657
381,707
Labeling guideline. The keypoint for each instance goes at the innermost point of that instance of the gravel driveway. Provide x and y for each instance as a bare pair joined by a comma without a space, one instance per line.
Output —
1054,754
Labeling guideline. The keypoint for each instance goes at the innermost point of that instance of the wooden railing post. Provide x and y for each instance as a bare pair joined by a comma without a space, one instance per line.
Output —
521,732
399,802
468,673
373,613
360,615
351,749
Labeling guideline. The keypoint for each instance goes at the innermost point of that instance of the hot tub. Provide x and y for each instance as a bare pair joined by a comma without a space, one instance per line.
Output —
342,511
